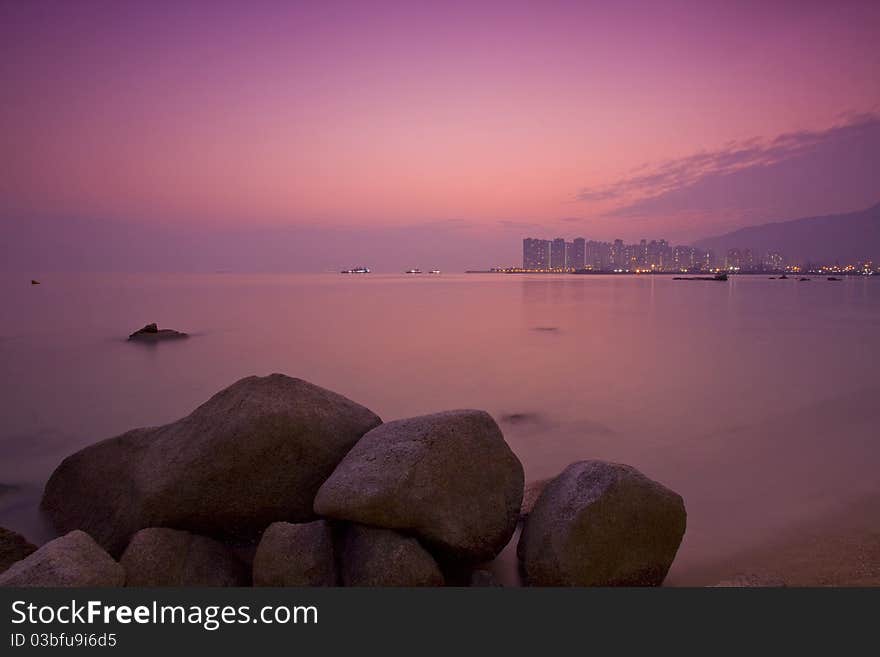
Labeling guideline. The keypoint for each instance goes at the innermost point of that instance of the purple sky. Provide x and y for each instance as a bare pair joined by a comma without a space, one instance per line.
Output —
310,136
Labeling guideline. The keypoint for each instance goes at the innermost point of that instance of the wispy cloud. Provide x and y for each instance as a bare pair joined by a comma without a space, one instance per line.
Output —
805,172
654,180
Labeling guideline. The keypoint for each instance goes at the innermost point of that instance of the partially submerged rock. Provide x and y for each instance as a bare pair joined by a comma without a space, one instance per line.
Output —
13,547
159,556
254,453
7,489
382,557
448,478
71,560
152,333
296,555
601,524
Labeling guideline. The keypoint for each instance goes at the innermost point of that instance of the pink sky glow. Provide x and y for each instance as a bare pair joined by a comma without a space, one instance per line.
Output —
486,119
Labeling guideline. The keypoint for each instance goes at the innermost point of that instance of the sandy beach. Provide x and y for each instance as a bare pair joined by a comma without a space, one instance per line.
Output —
838,549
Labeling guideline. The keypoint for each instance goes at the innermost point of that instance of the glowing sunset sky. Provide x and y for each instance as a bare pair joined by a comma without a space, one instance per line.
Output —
433,120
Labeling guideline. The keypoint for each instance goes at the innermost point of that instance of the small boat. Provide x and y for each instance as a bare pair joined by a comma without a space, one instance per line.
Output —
833,278
716,277
413,271
356,270
783,278
804,278
34,281
434,271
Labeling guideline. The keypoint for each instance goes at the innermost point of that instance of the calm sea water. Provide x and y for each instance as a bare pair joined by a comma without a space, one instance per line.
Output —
756,399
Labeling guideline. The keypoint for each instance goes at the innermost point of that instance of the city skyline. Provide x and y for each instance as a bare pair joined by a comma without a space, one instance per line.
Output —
580,254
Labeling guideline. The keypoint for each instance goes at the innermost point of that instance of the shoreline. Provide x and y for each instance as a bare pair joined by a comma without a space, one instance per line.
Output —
774,274
839,548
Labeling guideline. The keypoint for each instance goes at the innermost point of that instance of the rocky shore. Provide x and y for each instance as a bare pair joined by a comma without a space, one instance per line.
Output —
277,482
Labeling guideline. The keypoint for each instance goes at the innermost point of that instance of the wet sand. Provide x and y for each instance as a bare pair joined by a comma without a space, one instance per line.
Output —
837,549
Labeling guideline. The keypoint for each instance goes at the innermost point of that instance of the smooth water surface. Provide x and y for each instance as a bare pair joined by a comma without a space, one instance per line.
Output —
756,399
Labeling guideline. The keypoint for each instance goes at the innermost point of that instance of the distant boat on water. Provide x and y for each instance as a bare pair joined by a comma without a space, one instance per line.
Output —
434,271
413,271
356,270
716,277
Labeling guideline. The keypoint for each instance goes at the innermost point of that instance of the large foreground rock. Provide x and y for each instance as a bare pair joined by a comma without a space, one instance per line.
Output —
295,555
254,453
72,560
13,547
448,478
158,556
381,557
601,524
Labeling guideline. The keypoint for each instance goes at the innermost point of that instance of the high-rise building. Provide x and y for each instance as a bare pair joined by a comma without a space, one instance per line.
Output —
774,261
536,253
617,254
683,258
578,253
557,254
593,258
734,259
705,260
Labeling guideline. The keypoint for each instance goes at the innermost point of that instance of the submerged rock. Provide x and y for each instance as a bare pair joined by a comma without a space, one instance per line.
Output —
72,560
601,524
382,557
449,478
296,555
152,333
158,556
254,453
13,547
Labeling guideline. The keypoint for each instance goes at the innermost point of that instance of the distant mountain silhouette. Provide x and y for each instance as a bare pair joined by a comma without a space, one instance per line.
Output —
839,237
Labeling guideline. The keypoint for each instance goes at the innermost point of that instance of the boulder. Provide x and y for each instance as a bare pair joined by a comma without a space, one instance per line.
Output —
382,557
601,524
158,556
72,560
448,478
254,453
152,333
296,555
13,547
